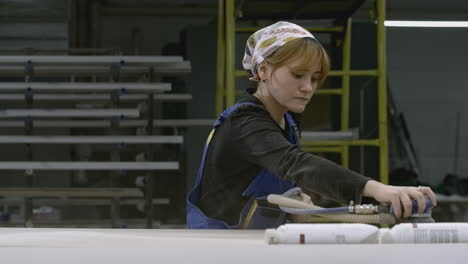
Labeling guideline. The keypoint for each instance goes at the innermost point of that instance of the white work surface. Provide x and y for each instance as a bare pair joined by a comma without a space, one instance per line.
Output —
115,246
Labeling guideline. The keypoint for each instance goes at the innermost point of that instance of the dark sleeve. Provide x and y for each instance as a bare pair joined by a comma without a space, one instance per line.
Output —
256,138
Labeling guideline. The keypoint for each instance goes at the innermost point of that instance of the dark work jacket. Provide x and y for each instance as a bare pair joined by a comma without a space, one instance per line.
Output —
250,140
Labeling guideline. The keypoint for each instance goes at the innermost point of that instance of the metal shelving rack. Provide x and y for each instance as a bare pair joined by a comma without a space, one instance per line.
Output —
112,116
226,72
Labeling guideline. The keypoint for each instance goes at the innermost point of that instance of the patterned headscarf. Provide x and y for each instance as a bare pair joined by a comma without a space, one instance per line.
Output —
265,41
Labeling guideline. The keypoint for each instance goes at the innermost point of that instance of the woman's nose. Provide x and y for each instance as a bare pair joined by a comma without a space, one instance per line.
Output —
308,87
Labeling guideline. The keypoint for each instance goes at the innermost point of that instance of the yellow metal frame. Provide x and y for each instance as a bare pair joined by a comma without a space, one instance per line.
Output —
230,56
382,90
220,60
226,74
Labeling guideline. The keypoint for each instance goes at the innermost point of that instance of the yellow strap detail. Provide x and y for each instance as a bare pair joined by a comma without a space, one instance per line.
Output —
208,140
248,218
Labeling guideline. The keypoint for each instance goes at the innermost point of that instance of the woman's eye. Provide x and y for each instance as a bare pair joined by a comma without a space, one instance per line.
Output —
298,76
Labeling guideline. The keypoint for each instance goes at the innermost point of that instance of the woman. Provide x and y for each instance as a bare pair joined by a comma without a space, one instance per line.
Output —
253,149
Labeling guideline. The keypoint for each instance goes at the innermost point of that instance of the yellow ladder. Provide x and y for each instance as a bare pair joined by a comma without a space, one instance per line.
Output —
226,74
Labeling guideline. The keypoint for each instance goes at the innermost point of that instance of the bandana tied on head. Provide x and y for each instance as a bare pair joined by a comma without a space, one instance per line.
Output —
265,41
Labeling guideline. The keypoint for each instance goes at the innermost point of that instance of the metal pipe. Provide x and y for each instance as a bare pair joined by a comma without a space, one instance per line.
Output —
382,91
81,201
69,113
92,87
321,149
170,68
230,53
91,139
88,60
88,165
96,97
354,73
345,81
351,134
456,143
345,156
71,192
220,60
361,142
106,123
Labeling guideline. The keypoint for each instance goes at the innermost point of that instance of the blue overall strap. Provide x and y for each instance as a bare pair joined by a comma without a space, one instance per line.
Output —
195,217
294,130
266,183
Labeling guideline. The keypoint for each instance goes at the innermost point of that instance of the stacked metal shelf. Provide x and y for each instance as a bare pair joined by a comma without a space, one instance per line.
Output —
96,103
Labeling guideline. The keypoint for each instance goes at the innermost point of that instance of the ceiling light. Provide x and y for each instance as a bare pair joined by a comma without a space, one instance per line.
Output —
407,23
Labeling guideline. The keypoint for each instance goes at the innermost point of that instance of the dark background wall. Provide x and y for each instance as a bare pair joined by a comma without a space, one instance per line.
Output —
428,73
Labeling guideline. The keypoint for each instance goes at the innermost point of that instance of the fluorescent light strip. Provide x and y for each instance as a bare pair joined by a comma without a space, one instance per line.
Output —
407,23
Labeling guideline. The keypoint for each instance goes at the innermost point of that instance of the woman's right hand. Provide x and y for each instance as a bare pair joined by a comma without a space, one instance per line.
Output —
400,197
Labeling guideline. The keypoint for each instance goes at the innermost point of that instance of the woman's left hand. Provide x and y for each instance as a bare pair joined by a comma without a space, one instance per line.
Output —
401,197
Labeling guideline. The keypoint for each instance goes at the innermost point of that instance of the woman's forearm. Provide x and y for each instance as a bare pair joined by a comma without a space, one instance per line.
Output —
371,188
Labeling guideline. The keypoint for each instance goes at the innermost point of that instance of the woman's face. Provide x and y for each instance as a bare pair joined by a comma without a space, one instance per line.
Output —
292,89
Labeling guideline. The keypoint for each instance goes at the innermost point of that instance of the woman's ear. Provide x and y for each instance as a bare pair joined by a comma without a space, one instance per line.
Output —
263,70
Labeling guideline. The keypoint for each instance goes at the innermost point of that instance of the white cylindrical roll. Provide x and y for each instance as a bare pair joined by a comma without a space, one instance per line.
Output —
426,233
322,234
